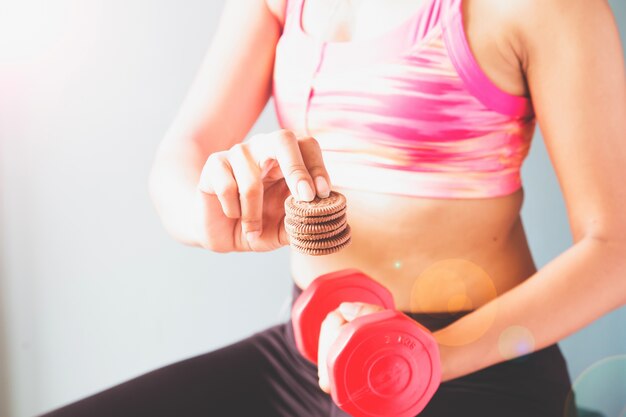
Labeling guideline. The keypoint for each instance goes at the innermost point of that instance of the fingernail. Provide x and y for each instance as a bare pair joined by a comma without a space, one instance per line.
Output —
348,310
253,235
304,191
322,186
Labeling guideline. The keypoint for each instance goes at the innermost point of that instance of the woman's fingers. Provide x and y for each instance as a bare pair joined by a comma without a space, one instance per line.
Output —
217,178
248,176
329,330
236,176
284,148
312,156
351,310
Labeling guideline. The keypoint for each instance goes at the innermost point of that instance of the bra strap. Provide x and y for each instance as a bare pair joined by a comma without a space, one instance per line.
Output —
476,81
451,8
292,14
424,21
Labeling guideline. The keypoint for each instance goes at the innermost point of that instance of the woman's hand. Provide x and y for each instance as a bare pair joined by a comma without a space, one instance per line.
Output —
250,183
330,329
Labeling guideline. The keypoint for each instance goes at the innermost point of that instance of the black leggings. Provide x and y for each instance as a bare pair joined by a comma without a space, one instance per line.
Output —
264,375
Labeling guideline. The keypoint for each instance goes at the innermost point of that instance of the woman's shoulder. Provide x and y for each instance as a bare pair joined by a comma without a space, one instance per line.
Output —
519,21
527,25
501,34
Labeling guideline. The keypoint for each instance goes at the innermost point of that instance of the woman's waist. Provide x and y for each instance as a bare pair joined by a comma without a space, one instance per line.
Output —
432,321
440,285
428,267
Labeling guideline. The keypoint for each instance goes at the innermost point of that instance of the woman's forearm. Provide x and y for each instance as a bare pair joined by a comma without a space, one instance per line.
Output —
172,185
574,289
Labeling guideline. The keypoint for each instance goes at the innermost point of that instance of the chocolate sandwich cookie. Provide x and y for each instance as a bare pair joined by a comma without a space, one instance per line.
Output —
294,226
317,219
327,243
317,207
318,252
301,235
317,227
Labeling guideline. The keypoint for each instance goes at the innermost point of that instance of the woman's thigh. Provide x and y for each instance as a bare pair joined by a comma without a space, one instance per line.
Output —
262,375
265,375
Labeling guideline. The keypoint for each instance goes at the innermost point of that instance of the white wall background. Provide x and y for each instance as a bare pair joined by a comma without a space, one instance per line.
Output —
92,290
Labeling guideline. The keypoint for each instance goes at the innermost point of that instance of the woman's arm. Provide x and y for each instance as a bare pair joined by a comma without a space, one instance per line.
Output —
231,89
574,63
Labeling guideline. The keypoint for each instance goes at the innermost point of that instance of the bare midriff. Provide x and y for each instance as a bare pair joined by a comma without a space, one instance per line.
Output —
434,255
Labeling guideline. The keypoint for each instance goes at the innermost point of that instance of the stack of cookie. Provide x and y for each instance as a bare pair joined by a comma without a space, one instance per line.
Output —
317,227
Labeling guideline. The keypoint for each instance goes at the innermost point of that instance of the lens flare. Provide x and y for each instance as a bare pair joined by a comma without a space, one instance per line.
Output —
459,302
455,285
602,387
515,341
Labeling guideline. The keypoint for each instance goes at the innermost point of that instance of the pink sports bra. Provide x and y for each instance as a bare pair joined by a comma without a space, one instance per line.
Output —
409,112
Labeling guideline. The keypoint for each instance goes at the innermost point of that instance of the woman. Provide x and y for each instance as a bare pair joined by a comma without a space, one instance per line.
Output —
420,112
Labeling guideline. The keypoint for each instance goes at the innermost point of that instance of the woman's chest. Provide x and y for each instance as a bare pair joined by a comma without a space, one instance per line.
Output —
355,20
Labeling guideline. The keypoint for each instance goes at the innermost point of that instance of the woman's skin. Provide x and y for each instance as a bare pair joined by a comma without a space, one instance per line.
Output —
433,254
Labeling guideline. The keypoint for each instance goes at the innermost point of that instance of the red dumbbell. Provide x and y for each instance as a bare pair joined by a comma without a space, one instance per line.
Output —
382,364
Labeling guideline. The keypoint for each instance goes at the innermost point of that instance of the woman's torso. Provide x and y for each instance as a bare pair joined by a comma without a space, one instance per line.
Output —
433,254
